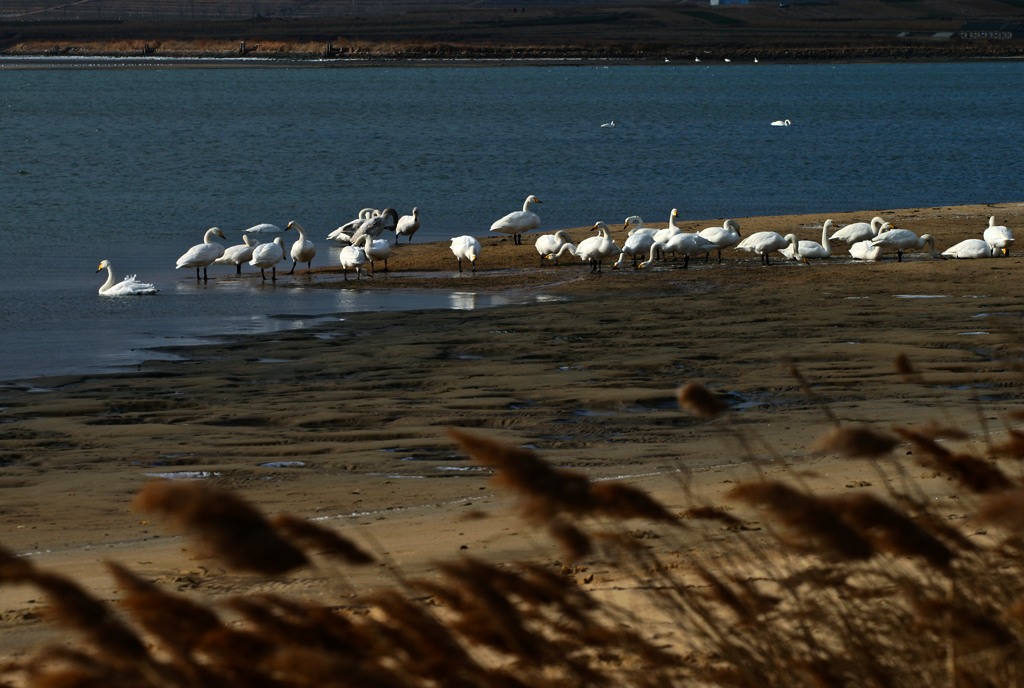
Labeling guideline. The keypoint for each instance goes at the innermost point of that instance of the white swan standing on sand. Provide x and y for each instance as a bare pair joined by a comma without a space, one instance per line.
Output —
726,236
376,249
407,225
302,250
520,221
238,254
268,256
781,123
763,243
859,231
688,244
635,245
972,248
129,286
902,240
202,255
354,257
466,247
596,248
998,236
865,250
550,244
811,249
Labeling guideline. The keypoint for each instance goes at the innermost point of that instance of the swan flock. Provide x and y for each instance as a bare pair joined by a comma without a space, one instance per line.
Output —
374,236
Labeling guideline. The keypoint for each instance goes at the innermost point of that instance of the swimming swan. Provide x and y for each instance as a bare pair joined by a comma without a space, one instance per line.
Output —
202,255
407,225
998,236
811,249
596,248
129,286
466,247
902,240
238,254
972,248
520,221
268,256
781,123
763,243
302,250
263,228
858,231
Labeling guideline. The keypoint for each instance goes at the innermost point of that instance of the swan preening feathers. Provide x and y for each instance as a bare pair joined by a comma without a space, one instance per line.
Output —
129,286
466,247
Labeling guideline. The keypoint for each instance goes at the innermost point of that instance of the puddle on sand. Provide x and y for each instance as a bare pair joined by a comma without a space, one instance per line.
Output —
183,475
922,296
283,464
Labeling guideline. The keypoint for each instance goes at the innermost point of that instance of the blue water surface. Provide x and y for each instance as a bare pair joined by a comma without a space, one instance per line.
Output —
133,164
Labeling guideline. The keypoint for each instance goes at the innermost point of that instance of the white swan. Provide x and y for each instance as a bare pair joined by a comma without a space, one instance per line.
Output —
376,249
688,244
129,286
268,256
548,245
998,236
763,243
202,255
634,224
596,248
466,247
726,236
567,247
385,221
354,257
781,123
343,234
972,248
520,221
811,249
858,231
865,250
635,245
302,250
902,240
238,254
608,125
263,228
407,225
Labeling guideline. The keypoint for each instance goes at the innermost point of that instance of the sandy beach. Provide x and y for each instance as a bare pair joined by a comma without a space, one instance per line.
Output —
347,423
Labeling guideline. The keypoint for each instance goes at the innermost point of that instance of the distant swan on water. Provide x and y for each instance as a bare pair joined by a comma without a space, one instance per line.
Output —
608,125
129,286
781,123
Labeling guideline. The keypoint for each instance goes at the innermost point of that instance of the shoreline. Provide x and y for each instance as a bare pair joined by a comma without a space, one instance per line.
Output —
351,417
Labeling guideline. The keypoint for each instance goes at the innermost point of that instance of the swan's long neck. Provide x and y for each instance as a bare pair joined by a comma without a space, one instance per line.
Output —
566,248
825,229
526,204
110,279
208,237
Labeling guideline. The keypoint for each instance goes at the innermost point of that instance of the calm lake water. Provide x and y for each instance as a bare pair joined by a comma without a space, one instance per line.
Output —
133,165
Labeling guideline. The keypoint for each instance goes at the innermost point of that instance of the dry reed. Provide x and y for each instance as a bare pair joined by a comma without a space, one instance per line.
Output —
864,588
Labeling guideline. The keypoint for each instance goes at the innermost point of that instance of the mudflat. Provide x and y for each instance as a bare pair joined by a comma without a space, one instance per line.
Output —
347,423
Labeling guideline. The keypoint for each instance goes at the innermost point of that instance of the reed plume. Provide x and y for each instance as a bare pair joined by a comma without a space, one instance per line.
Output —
700,401
325,541
228,526
855,441
977,474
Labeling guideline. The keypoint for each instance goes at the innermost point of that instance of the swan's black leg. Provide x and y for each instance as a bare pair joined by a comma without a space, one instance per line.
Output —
238,268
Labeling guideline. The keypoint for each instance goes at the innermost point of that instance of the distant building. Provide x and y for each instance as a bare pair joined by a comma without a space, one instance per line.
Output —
991,31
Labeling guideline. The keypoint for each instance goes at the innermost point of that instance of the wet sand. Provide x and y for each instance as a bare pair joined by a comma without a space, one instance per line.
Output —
346,422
